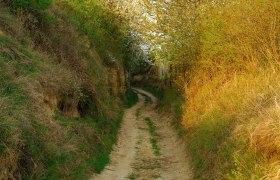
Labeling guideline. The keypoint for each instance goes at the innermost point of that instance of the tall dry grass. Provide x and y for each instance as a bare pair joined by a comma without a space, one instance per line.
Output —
250,103
232,99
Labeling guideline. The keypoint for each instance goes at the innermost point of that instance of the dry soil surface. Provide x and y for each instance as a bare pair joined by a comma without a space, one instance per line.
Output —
133,157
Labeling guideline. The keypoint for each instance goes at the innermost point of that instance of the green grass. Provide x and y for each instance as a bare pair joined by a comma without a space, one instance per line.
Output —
13,100
156,92
171,101
99,161
129,98
211,135
81,146
148,99
153,134
155,146
138,112
17,123
31,4
35,145
18,64
97,142
132,176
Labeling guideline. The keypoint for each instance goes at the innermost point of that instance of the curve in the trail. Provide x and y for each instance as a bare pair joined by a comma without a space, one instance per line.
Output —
133,157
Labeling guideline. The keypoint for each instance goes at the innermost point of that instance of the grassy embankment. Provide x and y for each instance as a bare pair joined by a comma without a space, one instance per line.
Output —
220,146
170,101
231,108
129,98
147,100
231,112
57,117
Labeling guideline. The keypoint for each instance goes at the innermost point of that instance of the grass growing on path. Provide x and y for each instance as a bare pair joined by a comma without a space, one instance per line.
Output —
138,112
129,98
132,176
156,92
153,138
148,99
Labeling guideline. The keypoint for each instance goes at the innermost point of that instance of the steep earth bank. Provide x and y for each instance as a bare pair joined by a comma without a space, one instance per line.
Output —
59,101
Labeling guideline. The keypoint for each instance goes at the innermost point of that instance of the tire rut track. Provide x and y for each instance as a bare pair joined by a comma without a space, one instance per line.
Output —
133,156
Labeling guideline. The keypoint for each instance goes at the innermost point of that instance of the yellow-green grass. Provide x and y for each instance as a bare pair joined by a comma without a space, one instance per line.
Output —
27,145
153,138
37,140
233,127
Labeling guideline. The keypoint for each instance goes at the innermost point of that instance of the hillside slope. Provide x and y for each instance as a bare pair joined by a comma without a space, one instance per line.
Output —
59,97
231,108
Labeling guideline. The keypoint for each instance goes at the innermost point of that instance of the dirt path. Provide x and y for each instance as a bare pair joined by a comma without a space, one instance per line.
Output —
135,156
